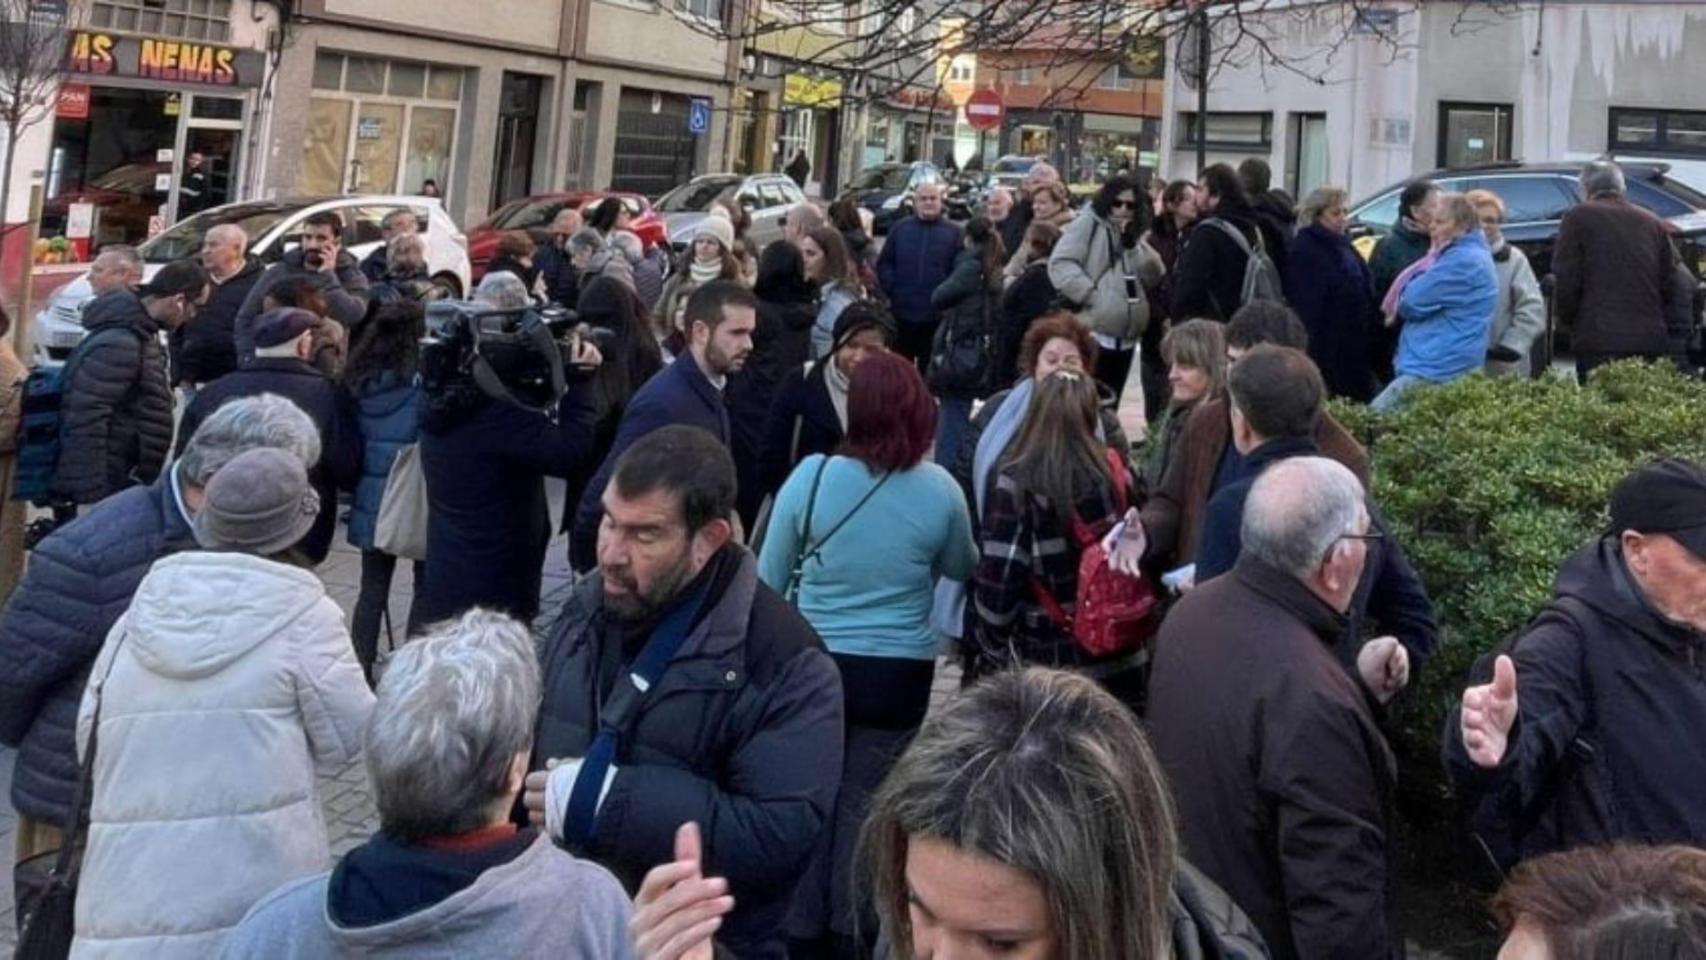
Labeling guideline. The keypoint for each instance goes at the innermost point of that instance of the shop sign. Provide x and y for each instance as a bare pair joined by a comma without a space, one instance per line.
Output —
165,59
370,128
799,90
73,101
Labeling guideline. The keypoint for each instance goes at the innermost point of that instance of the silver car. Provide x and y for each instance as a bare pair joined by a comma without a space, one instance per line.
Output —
767,198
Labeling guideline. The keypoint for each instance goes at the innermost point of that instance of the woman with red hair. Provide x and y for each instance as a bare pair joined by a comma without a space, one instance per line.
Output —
857,541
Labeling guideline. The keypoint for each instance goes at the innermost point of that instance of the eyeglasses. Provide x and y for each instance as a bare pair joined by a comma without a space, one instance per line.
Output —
1124,205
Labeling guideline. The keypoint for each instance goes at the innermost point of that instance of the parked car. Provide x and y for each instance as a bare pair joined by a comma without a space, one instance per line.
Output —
1010,172
273,226
886,189
767,198
534,214
1536,195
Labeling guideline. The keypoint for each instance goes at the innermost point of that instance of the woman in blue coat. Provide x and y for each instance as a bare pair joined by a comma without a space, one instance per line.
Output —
380,376
1330,287
1446,303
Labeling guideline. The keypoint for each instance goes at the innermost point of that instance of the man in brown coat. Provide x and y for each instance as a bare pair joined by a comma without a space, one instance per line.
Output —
1616,275
1282,777
1205,460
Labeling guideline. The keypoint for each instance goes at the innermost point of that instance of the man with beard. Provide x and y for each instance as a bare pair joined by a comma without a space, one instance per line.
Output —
678,688
721,316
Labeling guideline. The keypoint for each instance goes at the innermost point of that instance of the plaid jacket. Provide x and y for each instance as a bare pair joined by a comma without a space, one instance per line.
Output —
1024,541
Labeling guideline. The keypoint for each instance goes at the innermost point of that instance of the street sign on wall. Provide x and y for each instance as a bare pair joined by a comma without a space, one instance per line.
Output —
985,110
698,116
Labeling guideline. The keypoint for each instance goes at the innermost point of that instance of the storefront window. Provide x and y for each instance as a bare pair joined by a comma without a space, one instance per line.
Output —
117,161
388,137
327,145
1103,154
431,132
1035,141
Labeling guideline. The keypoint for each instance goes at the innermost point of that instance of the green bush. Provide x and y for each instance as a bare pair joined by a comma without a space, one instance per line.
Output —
1490,483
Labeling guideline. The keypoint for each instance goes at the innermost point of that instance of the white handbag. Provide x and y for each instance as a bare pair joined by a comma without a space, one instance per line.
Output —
401,529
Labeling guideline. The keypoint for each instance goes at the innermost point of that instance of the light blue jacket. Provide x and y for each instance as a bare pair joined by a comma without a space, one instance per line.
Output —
869,592
1448,312
834,298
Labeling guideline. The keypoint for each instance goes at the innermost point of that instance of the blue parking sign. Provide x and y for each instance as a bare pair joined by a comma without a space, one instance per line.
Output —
698,116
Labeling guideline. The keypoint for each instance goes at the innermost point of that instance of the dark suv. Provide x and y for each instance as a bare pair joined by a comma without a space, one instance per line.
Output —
1536,195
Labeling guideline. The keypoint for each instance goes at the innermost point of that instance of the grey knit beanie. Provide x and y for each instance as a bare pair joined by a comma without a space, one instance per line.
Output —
259,503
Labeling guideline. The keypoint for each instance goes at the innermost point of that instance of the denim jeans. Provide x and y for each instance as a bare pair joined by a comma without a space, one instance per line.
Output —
1388,399
952,420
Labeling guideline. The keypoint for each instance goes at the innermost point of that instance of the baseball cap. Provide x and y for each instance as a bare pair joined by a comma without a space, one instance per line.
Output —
283,325
179,276
1668,497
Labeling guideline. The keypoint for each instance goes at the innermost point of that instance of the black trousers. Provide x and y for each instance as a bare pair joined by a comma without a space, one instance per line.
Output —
1113,367
913,342
1153,370
377,569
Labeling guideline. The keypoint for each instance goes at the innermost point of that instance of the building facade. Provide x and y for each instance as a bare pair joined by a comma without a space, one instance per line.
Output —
1414,89
531,97
1091,114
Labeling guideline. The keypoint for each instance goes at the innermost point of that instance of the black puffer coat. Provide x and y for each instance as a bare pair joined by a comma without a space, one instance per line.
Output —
115,426
742,734
78,582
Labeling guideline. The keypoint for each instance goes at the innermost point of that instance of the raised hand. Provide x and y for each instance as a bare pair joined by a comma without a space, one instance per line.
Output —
1489,712
678,910
1125,545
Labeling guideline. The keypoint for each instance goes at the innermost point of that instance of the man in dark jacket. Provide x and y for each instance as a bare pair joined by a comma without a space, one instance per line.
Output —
1616,273
284,343
320,259
1588,731
1282,778
1208,280
1275,210
1277,397
738,728
115,421
80,580
1409,241
1205,459
917,256
556,268
1019,220
396,223
721,317
204,349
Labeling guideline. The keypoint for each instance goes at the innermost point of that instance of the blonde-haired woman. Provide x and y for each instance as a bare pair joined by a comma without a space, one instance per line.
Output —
1520,316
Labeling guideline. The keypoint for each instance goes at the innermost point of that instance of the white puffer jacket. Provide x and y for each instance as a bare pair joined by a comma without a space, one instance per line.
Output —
231,677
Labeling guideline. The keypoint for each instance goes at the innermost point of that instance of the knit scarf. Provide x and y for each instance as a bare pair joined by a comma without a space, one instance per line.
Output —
702,272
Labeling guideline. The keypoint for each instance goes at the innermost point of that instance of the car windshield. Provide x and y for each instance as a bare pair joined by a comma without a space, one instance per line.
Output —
184,239
697,195
1666,197
882,178
523,214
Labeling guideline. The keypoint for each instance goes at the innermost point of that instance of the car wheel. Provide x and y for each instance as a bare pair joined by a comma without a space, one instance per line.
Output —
451,286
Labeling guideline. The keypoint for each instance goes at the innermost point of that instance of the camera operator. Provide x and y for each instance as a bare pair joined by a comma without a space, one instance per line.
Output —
508,403
320,259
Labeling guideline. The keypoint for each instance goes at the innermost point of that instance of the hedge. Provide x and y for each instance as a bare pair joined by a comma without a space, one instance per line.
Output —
1490,483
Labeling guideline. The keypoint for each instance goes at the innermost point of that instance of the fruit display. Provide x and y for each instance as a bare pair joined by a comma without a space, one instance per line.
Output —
49,250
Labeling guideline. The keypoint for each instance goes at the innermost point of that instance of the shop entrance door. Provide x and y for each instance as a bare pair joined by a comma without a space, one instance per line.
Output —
208,168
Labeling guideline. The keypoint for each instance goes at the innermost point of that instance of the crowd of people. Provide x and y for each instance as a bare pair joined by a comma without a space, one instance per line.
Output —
798,480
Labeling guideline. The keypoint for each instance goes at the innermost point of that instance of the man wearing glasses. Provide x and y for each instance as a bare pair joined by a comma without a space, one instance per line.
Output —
1276,399
1282,778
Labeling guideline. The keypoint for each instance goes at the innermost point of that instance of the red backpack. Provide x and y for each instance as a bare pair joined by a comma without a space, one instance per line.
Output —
1112,613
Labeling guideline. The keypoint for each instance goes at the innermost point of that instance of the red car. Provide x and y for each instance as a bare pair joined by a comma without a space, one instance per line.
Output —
534,214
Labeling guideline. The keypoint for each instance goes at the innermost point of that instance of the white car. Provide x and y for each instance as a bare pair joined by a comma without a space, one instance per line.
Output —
274,227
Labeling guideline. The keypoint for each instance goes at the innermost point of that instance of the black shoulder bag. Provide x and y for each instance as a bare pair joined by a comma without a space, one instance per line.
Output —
792,594
45,885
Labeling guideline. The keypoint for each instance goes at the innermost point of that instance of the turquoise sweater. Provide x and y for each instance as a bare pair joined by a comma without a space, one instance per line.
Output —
869,592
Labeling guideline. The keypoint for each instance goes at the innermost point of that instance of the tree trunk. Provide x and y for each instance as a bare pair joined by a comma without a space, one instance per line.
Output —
5,231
